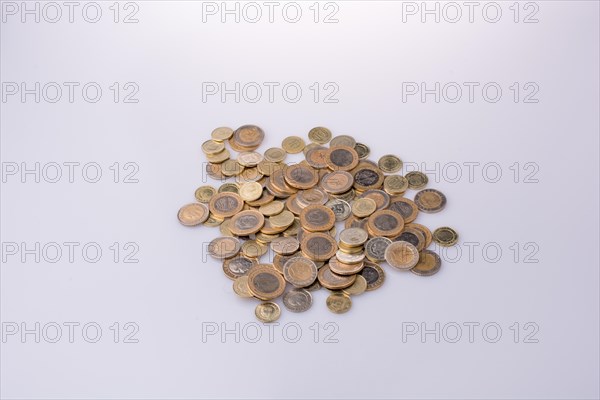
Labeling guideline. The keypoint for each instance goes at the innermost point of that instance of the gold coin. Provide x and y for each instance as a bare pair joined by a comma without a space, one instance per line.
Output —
416,180
270,229
339,302
246,223
285,245
231,168
212,147
224,228
317,218
430,200
275,154
293,144
342,140
204,193
267,312
218,157
213,221
429,264
362,150
341,158
268,167
300,176
385,223
240,286
222,133
282,220
193,214
224,247
445,236
390,164
318,246
250,191
424,230
350,258
353,237
364,207
266,238
249,175
319,135
229,188
358,287
300,271
293,229
249,158
253,249
341,268
382,199
405,207
248,136
402,255
395,184
337,182
333,281
374,275
265,198
214,171
226,204
265,283
272,208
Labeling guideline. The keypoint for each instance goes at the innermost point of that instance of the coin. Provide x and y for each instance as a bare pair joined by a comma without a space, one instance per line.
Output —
319,135
265,282
212,221
193,214
416,180
279,261
349,258
282,220
358,287
214,171
250,191
275,154
405,207
385,223
246,223
300,271
267,312
218,158
362,150
375,248
429,264
402,255
341,209
212,147
367,177
354,236
341,158
222,133
293,144
224,247
240,287
424,230
318,246
342,140
412,236
272,208
316,157
374,275
333,281
430,200
337,182
292,204
445,236
231,168
341,268
229,187
317,218
390,164
285,245
268,167
249,158
364,207
253,249
395,184
249,175
382,199
297,300
238,266
265,198
301,176
312,196
339,302
226,204
248,136
204,193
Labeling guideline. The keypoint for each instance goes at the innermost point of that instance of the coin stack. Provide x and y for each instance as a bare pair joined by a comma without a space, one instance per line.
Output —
289,212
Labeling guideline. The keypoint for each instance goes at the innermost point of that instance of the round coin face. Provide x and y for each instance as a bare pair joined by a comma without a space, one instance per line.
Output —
282,220
424,230
301,176
267,312
316,156
224,247
204,193
374,275
300,271
226,204
385,223
249,158
358,287
246,223
364,207
405,207
429,264
343,140
331,280
212,147
337,182
341,158
318,246
316,218
367,178
240,287
395,184
375,248
354,236
193,214
340,208
293,144
445,236
312,196
221,133
319,135
416,180
362,150
275,154
339,302
238,266
402,255
382,199
430,200
250,191
265,282
390,164
285,245
248,136
412,236
297,300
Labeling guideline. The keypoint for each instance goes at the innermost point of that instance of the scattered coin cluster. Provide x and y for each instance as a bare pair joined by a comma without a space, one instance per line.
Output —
290,211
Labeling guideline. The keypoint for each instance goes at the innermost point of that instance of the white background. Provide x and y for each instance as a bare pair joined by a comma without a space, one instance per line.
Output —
173,291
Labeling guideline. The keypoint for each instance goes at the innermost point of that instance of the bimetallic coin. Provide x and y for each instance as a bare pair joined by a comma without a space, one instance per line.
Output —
374,275
316,218
364,207
416,180
250,191
240,287
267,312
224,247
275,154
226,204
362,150
312,196
412,236
318,246
341,268
248,136
395,184
340,208
375,248
333,281
316,157
285,245
429,264
222,133
193,214
405,207
204,193
445,236
300,271
337,182
238,266
279,261
339,302
342,140
354,236
390,164
367,177
301,176
430,200
212,147
402,255
341,158
424,230
297,300
265,282
382,199
358,287
246,223
293,144
385,223
319,135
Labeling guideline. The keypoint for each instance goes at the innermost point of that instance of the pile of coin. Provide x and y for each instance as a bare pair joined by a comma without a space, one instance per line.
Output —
289,211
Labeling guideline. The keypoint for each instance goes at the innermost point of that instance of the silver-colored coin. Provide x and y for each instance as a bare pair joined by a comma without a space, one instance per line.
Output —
375,248
297,300
349,258
340,208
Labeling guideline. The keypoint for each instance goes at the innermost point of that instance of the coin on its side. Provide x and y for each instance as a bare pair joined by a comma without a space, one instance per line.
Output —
224,247
375,248
430,200
402,255
341,158
267,312
265,282
317,218
390,164
297,300
193,214
240,286
246,223
221,133
300,271
374,275
445,236
293,144
358,287
416,180
330,280
226,204
344,269
429,264
340,208
339,302
319,135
